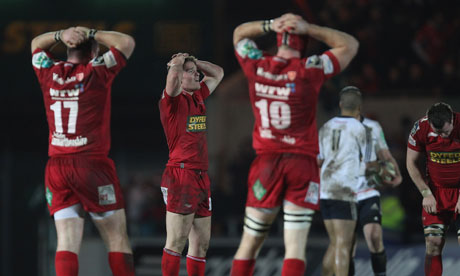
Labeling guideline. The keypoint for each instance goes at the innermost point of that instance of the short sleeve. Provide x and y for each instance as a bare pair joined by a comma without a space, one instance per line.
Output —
204,90
42,61
248,54
323,66
168,104
379,138
109,64
416,141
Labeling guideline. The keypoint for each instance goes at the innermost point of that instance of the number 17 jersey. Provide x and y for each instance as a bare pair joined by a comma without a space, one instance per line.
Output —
284,96
77,101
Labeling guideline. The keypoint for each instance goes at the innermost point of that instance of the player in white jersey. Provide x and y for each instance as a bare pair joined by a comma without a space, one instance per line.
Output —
344,144
369,214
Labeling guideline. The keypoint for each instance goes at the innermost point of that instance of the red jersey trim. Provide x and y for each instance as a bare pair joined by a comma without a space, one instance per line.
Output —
335,62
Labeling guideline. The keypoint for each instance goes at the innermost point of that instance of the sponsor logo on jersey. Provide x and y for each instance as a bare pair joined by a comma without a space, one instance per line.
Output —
445,157
291,85
266,133
49,196
415,128
106,195
267,75
59,139
288,140
61,81
67,94
412,141
312,193
248,48
80,76
292,75
258,189
274,92
41,60
196,123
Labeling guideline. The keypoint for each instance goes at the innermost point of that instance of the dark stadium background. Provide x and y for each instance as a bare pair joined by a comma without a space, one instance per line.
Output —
409,58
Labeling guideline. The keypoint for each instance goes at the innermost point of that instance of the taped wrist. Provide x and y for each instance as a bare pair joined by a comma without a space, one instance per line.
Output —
426,192
92,33
267,25
57,35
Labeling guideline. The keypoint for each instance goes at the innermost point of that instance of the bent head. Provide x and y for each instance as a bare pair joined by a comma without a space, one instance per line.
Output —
292,42
191,76
441,119
350,99
84,52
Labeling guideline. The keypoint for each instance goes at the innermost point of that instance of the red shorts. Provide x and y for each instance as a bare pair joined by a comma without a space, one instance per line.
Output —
446,199
186,191
277,177
89,180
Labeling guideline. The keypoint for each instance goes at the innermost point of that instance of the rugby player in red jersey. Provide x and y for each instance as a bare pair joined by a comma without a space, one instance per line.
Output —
436,138
79,176
284,90
185,183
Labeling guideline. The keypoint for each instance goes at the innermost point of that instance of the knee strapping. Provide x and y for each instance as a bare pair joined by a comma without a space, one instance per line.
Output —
299,219
254,226
434,230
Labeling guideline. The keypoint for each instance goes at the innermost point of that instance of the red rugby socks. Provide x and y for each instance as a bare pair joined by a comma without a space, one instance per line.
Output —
293,267
243,267
195,266
170,263
121,264
433,265
66,263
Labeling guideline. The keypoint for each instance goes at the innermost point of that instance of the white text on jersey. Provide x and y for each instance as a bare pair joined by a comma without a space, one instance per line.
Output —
273,92
61,81
270,76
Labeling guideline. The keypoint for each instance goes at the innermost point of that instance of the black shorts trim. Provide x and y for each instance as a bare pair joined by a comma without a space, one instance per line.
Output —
338,209
369,211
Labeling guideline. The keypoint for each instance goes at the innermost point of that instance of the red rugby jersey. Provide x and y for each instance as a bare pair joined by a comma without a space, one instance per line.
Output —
184,122
442,154
284,96
77,101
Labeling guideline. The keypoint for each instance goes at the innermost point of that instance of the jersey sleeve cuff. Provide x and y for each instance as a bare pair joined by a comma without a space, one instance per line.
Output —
335,62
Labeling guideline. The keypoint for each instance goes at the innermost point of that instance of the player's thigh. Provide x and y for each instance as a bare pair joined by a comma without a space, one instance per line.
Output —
113,230
301,177
178,225
69,224
297,222
199,236
344,230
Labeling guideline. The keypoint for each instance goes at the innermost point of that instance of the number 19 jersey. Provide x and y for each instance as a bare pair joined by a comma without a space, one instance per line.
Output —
77,101
284,95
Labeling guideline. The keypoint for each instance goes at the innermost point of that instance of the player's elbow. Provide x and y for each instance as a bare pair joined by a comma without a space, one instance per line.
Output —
219,73
352,46
126,44
237,35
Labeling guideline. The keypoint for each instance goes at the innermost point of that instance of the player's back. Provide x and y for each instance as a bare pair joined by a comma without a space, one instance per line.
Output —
342,143
77,102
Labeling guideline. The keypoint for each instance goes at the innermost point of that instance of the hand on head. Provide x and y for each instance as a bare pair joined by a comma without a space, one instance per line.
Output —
177,59
291,23
73,36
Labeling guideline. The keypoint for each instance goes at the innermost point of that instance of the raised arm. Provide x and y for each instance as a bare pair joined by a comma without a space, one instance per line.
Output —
71,37
343,46
255,29
122,42
429,202
213,73
175,72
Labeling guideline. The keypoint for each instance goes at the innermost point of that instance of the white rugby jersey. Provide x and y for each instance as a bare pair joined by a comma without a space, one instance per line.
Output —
366,189
345,145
